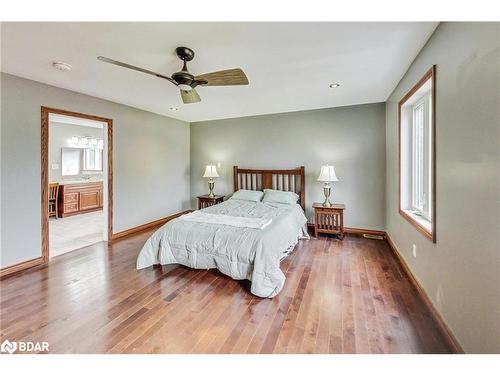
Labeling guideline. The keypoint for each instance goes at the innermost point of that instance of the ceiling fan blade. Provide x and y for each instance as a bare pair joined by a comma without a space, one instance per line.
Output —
125,65
228,77
190,96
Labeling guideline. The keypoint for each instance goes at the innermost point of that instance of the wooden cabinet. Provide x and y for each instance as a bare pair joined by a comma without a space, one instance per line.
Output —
89,200
80,198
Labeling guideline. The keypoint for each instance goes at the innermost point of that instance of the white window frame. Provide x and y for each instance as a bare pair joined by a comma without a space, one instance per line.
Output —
421,141
417,156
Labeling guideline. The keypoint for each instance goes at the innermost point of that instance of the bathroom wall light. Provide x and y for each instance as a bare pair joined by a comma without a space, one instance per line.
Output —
86,141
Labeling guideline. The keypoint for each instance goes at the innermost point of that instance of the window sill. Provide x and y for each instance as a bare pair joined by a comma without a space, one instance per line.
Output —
423,225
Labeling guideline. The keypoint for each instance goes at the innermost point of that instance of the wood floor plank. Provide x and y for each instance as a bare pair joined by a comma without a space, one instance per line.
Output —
349,296
293,282
301,270
335,320
373,328
212,340
348,328
304,308
359,316
311,331
165,316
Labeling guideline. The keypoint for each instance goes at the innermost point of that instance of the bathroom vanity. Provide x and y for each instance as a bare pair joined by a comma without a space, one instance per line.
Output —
77,197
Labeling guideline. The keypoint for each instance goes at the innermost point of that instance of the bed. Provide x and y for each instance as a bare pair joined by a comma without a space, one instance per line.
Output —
243,239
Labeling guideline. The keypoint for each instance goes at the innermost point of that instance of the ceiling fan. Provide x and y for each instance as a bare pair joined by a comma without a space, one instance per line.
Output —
187,82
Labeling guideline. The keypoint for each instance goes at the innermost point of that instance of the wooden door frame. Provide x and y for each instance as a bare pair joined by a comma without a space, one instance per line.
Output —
46,111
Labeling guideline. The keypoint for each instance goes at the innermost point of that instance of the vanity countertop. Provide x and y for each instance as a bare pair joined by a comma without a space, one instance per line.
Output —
81,181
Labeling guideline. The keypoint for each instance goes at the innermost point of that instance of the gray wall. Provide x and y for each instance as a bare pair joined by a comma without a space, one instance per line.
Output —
460,272
350,138
59,136
150,155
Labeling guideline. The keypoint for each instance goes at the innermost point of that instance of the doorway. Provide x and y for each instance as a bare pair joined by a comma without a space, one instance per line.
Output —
77,181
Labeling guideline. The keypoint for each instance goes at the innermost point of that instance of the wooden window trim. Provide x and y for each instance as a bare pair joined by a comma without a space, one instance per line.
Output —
430,234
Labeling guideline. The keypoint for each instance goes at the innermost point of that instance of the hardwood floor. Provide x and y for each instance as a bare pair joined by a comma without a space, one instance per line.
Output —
346,296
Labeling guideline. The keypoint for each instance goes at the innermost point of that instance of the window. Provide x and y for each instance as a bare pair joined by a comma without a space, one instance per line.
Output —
421,194
92,160
416,156
417,173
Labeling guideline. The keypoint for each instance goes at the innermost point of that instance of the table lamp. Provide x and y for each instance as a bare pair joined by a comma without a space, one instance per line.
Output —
327,175
210,173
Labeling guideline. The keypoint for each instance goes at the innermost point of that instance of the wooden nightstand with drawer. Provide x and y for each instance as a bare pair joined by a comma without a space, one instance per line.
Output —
205,201
329,220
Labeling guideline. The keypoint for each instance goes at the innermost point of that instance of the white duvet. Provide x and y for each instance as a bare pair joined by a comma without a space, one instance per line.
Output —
237,250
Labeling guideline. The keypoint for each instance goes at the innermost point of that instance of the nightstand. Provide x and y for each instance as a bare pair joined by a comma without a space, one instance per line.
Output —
329,219
205,201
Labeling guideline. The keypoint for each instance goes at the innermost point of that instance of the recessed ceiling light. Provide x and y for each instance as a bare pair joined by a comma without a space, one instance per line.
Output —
334,85
174,109
61,66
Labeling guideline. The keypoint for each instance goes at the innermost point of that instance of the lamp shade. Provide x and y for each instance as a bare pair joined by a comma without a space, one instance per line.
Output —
210,171
327,173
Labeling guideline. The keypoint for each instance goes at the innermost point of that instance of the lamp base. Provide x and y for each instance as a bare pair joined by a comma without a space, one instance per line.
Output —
326,191
211,185
327,204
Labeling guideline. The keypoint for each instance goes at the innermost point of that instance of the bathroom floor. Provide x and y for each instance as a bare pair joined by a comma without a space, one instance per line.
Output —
74,232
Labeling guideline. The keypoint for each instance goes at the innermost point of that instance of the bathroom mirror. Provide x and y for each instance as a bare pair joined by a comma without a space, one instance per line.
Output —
70,161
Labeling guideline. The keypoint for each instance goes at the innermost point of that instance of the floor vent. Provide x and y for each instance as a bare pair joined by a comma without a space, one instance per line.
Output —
373,236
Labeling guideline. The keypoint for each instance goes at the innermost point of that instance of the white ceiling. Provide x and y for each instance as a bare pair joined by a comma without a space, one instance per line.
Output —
289,65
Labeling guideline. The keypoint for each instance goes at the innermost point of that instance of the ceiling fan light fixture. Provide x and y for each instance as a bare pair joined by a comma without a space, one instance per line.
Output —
184,87
334,85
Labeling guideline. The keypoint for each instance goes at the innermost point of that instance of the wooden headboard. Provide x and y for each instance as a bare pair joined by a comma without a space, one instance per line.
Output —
277,179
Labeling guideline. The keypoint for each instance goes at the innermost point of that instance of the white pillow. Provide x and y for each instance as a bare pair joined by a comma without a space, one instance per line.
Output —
248,195
277,196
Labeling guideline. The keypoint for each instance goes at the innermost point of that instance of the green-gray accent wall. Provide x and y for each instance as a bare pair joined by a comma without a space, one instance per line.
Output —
350,138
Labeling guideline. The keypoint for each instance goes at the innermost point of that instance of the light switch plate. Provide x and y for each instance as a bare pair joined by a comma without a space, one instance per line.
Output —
55,166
